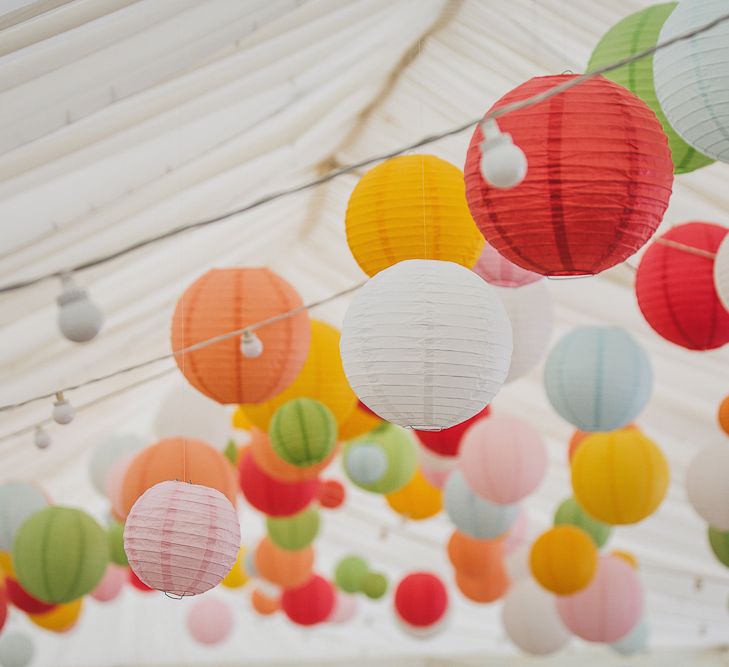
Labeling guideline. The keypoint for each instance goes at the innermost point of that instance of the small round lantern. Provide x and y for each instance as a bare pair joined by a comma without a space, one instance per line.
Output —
263,604
210,621
303,432
331,494
274,466
564,560
238,576
60,619
111,585
287,569
294,532
719,541
350,573
345,607
706,485
495,269
374,585
417,500
309,604
448,441
18,501
475,558
421,600
723,415
569,513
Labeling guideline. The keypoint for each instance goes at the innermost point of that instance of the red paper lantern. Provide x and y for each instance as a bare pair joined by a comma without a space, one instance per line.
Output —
137,583
271,496
676,291
24,601
598,181
3,605
331,494
448,441
309,604
421,599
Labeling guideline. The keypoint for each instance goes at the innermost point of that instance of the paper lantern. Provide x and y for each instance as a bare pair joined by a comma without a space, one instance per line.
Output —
60,619
634,642
363,462
575,441
287,569
448,441
322,378
16,650
80,554
531,314
503,459
690,77
473,515
350,573
598,378
426,344
619,477
237,577
706,485
272,465
225,300
676,290
331,494
569,513
495,269
294,532
374,585
721,272
567,140
182,538
719,541
309,604
632,35
109,452
564,560
23,600
410,207
181,459
475,558
111,584
271,496
210,621
531,620
18,501
360,421
421,599
3,605
483,590
115,535
418,499
609,608
137,583
303,432
723,415
436,468
263,604
345,607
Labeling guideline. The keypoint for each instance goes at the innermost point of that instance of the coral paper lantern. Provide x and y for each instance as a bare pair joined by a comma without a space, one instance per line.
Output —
111,585
595,147
474,558
421,599
723,415
331,494
448,441
619,477
274,466
570,513
210,621
263,604
426,344
494,268
485,589
676,290
564,560
225,300
309,604
417,500
182,538
303,432
690,77
287,569
706,485
18,501
294,532
411,207
61,619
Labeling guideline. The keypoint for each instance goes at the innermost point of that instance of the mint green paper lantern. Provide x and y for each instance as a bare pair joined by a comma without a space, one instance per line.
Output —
115,533
633,34
570,513
60,554
296,532
303,432
374,585
719,541
350,574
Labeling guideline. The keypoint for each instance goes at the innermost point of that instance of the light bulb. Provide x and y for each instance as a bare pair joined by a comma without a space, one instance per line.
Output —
78,317
63,411
42,439
251,345
503,164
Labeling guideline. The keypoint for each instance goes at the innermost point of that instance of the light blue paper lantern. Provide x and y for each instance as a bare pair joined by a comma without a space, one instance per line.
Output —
634,642
365,463
598,378
473,515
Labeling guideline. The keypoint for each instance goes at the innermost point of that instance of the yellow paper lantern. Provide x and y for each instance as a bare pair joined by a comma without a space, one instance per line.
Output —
237,577
322,378
61,618
240,421
418,499
6,564
411,207
619,477
564,560
359,422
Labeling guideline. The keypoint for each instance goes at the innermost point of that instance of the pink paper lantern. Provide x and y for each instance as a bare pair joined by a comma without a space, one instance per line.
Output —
111,585
345,607
182,538
609,608
494,268
210,621
503,459
517,534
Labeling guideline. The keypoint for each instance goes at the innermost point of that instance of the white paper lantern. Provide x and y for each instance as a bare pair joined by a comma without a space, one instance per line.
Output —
721,272
532,319
692,77
18,500
426,344
16,650
107,453
707,485
531,620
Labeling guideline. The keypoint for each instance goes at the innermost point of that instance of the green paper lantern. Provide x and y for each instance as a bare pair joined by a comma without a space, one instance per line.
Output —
350,573
303,432
633,34
115,534
719,541
60,554
374,585
570,513
401,454
296,532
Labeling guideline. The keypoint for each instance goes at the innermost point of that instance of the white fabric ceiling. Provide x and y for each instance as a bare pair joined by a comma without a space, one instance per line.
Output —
120,119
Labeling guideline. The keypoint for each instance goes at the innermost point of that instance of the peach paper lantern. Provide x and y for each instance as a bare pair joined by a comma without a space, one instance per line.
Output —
264,605
287,569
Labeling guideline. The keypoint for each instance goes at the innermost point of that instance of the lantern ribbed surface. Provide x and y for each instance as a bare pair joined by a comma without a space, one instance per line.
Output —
182,538
225,300
636,33
597,186
426,344
303,432
692,77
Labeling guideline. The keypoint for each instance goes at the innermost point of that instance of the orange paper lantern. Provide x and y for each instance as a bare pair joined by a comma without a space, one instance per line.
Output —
475,559
288,569
484,589
270,463
723,415
263,604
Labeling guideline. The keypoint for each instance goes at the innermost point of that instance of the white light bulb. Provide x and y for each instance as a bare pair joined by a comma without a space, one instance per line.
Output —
79,318
42,439
63,411
503,164
251,345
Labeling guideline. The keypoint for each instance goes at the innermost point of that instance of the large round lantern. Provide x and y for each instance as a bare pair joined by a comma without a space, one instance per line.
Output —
564,560
689,76
80,554
721,273
182,538
287,569
181,459
426,344
598,378
609,608
619,477
293,532
448,441
421,599
675,287
632,35
18,501
494,268
411,207
210,621
706,485
418,499
274,466
225,300
107,454
303,432
570,513
565,139
309,604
